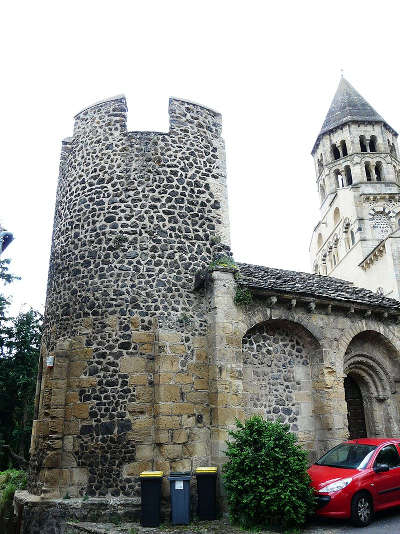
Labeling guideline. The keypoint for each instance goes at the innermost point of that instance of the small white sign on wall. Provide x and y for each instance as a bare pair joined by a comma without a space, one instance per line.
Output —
179,484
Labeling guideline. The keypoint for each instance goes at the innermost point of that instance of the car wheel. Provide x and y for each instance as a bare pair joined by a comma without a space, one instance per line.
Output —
362,509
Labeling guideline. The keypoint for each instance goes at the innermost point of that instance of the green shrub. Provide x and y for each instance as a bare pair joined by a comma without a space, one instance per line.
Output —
243,296
10,480
265,477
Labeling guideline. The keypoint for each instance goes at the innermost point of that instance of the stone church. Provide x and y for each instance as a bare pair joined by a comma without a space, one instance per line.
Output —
156,340
358,178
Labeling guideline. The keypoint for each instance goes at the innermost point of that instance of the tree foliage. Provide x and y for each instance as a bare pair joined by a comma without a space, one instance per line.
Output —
10,481
19,354
265,477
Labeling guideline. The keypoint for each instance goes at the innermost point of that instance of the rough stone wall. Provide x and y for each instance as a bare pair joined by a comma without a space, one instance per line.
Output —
277,371
150,370
256,369
137,215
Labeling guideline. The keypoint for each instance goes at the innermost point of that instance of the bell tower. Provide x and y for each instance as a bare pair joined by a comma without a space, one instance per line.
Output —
357,169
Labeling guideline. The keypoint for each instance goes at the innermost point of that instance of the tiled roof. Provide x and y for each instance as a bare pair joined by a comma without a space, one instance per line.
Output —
348,105
311,285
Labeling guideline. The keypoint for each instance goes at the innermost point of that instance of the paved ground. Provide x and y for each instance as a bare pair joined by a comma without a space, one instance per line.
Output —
385,523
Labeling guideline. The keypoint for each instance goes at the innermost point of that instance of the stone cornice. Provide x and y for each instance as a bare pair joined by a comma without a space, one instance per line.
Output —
373,197
314,304
373,256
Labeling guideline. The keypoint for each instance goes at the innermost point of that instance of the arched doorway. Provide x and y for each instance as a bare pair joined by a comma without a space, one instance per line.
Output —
370,363
355,409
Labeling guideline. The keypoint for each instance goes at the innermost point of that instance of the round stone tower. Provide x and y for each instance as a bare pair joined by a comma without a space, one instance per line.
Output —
123,380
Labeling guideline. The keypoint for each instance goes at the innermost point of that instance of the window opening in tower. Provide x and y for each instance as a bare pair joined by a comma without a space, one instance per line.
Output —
363,145
335,152
368,172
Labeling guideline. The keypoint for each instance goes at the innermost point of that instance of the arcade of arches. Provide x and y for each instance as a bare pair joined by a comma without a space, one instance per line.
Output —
282,364
327,373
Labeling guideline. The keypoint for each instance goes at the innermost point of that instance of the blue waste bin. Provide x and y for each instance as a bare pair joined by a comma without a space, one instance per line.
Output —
180,497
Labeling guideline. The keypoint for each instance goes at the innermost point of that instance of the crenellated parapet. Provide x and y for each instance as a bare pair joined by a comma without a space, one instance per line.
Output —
105,117
188,117
123,385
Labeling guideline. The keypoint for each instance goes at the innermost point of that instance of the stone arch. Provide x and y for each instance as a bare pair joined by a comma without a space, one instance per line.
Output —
364,326
373,362
282,370
260,314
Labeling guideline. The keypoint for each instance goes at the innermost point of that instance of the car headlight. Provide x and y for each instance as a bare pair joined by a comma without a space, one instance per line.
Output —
336,486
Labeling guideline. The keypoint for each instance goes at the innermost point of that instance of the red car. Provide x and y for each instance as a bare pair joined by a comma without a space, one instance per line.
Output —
357,478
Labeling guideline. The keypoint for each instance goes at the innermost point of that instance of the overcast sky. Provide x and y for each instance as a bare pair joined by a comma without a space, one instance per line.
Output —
271,69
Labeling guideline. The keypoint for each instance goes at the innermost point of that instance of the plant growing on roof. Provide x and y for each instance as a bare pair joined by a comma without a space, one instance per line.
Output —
226,262
243,296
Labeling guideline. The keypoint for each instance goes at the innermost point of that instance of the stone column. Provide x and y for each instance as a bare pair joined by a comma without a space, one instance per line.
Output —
330,409
226,366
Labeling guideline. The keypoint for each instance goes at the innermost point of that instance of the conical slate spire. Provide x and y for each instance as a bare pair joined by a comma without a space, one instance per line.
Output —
348,105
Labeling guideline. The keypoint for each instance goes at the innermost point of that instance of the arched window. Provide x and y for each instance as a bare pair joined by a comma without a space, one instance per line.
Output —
343,146
372,143
349,178
368,172
378,171
320,240
393,149
335,152
352,237
316,268
363,144
336,216
338,178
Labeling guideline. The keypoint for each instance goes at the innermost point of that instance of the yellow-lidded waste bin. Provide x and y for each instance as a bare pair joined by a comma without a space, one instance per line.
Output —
207,493
150,482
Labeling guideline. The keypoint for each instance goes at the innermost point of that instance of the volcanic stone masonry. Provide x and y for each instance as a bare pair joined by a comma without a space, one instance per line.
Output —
146,359
137,215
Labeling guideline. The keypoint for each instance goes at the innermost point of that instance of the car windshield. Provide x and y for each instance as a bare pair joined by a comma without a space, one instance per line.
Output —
348,456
